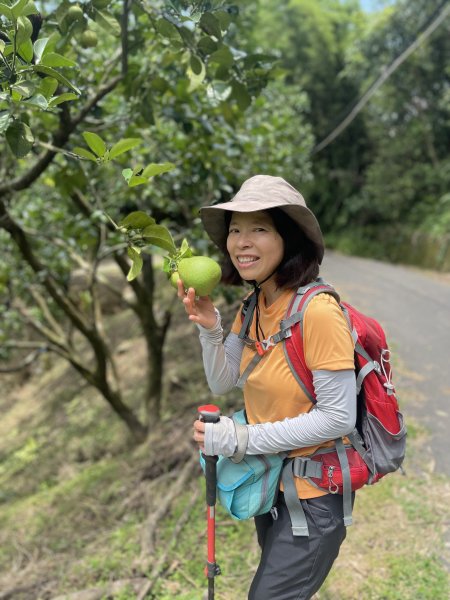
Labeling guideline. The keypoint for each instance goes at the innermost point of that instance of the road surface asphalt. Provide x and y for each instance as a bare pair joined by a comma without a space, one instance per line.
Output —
413,306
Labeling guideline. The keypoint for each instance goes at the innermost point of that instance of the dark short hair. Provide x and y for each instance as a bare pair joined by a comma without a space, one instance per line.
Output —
300,263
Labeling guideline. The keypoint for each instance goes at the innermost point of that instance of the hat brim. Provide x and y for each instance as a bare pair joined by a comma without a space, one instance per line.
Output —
213,218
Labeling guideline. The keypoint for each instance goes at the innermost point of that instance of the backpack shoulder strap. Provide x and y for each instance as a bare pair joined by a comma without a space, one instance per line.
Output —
293,343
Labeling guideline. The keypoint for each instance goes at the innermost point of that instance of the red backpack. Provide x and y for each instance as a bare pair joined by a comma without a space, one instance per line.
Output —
378,442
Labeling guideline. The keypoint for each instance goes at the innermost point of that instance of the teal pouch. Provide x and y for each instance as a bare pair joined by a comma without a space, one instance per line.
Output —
250,487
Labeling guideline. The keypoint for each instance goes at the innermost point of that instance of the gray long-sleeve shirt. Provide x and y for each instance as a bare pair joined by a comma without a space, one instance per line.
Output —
333,416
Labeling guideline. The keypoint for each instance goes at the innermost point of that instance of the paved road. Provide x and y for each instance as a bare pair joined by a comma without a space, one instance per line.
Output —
414,308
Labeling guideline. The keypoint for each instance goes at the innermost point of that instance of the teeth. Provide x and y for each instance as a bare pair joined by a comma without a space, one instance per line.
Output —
246,259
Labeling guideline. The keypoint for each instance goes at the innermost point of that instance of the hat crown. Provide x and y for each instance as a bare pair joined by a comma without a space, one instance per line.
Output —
268,190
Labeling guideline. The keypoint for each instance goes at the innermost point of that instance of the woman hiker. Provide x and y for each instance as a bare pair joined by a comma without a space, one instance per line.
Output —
273,241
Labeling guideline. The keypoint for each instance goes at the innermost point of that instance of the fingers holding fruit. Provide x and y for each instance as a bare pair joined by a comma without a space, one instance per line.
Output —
200,310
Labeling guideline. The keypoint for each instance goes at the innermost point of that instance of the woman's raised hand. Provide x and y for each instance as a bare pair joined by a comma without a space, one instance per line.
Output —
199,309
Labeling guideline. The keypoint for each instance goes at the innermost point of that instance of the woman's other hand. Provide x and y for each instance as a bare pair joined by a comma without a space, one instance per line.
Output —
200,310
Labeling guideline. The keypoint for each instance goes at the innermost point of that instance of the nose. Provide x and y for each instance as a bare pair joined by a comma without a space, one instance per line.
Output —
243,241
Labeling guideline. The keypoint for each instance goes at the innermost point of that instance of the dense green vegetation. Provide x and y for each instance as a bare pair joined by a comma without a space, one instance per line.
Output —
112,106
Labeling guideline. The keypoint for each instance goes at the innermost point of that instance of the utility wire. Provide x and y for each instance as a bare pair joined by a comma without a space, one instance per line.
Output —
379,82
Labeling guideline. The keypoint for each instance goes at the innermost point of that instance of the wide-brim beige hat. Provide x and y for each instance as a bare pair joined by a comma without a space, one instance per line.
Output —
262,192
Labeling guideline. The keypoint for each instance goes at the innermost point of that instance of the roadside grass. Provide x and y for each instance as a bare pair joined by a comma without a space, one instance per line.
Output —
74,496
394,551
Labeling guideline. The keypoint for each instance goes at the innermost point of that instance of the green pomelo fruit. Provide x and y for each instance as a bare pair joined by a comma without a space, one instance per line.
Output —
88,39
174,279
75,13
201,273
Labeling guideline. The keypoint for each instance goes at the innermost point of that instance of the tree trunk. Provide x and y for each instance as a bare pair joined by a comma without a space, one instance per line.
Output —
102,370
155,337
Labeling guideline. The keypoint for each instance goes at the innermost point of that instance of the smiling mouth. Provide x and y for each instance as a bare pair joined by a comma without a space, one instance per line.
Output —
247,260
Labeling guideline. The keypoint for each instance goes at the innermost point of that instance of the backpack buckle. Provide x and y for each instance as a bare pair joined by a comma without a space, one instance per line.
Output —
264,346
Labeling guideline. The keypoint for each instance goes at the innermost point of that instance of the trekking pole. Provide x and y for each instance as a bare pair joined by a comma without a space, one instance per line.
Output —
209,413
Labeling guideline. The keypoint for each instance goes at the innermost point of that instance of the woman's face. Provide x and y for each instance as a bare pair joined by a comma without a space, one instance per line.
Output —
254,245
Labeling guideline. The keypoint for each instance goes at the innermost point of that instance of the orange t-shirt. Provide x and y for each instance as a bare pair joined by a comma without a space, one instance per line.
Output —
271,392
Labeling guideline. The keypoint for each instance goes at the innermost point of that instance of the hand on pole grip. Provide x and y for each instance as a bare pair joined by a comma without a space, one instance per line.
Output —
210,413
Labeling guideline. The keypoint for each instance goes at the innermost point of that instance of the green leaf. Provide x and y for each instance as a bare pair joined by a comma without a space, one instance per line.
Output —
95,143
196,78
158,235
137,219
25,88
166,265
56,75
20,138
219,91
210,25
38,100
5,120
241,95
206,45
52,59
17,8
30,9
223,56
185,250
39,48
123,146
85,154
107,22
26,51
196,64
137,180
167,29
224,19
137,263
6,11
137,170
48,87
157,169
24,30
127,174
62,98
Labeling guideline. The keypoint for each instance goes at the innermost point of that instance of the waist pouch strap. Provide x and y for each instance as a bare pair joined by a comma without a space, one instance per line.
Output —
294,506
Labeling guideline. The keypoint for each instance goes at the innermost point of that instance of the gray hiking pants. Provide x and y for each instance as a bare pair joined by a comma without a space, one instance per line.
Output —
294,568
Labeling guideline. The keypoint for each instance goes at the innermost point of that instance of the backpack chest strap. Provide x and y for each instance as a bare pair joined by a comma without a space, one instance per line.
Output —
261,349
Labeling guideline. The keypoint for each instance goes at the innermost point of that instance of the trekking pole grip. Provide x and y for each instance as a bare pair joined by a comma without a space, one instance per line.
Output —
210,413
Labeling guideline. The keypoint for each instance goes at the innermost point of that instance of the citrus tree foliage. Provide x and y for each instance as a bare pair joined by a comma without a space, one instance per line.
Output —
107,107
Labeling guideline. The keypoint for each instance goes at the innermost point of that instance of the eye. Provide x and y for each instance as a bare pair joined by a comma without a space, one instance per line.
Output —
233,230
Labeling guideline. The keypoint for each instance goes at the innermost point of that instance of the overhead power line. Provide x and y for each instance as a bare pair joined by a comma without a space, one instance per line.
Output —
379,82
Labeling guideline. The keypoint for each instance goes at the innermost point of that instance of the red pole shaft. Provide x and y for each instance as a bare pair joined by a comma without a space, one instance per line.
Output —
210,414
211,528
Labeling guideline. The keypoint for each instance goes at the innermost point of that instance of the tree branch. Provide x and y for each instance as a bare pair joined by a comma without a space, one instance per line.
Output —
59,139
124,36
26,361
41,302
